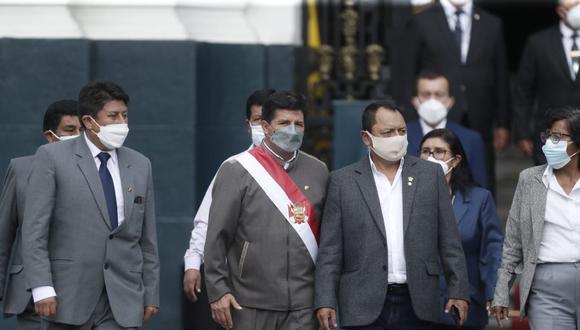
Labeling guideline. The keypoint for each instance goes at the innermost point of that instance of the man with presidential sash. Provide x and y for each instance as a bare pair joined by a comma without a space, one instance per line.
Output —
262,238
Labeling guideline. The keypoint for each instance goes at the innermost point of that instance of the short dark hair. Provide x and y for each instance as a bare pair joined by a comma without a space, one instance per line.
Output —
56,111
286,100
461,177
257,98
432,75
94,96
369,116
572,118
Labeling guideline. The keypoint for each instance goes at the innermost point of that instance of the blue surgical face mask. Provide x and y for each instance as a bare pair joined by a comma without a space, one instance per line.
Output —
556,153
288,138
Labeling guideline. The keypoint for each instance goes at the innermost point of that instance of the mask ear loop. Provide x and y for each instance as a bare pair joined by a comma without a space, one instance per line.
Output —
53,134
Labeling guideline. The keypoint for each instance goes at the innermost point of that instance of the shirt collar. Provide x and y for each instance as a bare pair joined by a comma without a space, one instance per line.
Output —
95,150
376,171
426,128
565,30
549,180
450,9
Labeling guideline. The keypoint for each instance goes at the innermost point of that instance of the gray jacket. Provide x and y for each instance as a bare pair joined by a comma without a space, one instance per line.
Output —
68,242
352,262
12,283
524,229
268,266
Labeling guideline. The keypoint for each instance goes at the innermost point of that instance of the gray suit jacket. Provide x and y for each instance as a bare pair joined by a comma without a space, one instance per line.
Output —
68,242
523,236
351,269
12,283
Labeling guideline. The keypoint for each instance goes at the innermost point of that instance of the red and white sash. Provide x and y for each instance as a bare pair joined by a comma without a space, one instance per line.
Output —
284,193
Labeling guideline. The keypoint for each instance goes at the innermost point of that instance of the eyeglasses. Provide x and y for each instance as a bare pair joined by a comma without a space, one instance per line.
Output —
437,153
554,136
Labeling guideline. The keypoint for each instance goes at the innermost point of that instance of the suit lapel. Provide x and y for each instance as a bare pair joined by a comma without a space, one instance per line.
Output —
368,188
125,171
460,206
477,36
409,181
441,28
559,53
86,164
539,194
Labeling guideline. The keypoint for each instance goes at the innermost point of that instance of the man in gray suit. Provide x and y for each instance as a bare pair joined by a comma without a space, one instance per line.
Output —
387,234
60,122
89,235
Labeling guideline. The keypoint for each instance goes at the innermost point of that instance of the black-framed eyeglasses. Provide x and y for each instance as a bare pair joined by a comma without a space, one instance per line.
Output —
437,153
554,136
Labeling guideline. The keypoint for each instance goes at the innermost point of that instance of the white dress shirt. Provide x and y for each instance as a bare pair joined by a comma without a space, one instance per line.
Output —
426,128
465,19
391,199
44,292
193,257
561,236
567,43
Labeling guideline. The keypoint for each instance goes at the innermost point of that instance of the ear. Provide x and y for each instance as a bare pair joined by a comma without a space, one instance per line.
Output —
49,137
366,139
416,103
561,11
458,159
266,127
88,123
450,103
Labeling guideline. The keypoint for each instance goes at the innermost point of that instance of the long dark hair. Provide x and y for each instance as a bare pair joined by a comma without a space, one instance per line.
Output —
461,177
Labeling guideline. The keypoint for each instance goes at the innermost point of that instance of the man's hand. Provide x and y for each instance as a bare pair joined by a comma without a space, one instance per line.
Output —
192,284
326,318
220,310
149,311
526,146
500,313
501,138
461,306
46,307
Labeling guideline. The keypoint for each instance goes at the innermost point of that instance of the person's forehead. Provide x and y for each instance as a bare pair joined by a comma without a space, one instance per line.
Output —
288,114
435,142
439,83
389,117
69,120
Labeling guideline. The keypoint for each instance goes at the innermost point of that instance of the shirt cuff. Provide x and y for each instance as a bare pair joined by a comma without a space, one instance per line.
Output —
192,261
42,292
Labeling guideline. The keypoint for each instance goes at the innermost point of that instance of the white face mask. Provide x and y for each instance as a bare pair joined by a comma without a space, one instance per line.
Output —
389,148
64,137
112,136
573,17
432,111
257,134
444,165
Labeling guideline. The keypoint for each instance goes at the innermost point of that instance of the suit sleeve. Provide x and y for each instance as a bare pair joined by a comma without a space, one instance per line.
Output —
40,198
524,91
223,219
8,223
491,241
450,248
148,242
329,260
502,84
512,253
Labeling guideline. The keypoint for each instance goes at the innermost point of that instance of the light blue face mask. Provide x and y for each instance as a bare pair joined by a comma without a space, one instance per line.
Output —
288,138
556,153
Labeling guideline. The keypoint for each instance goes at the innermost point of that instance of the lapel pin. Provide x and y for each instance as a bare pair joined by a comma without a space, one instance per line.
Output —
411,179
130,189
476,17
410,183
306,187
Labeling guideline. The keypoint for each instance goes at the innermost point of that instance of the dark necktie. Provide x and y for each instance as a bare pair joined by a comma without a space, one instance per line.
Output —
575,59
108,188
458,32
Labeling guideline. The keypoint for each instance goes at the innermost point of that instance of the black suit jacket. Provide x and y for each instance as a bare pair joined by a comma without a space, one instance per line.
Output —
480,86
544,77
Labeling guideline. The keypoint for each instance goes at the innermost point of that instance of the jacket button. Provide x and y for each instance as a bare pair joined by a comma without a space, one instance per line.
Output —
106,266
384,268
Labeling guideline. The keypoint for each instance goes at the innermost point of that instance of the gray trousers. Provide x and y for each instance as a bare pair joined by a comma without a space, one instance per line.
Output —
257,319
554,301
28,320
102,319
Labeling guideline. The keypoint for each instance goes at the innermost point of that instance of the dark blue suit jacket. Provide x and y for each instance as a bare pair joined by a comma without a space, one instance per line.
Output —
482,240
470,139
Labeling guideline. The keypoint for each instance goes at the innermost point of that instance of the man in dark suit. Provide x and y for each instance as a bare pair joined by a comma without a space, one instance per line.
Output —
547,77
89,233
388,232
60,122
433,103
465,43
